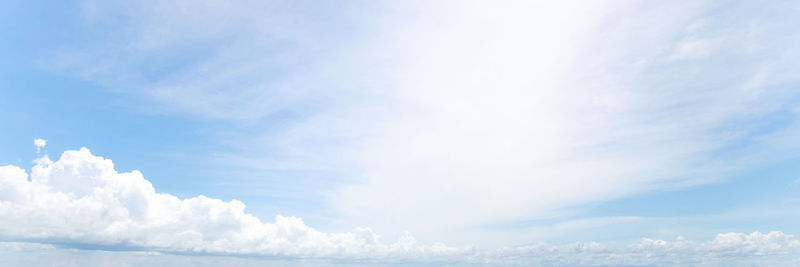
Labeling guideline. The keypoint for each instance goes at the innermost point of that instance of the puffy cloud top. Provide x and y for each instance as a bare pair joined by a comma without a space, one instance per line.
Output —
82,199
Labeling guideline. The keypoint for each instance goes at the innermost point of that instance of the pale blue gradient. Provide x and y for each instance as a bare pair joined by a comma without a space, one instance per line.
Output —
187,151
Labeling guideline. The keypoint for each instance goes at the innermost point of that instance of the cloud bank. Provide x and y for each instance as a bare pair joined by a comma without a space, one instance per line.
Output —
80,200
774,248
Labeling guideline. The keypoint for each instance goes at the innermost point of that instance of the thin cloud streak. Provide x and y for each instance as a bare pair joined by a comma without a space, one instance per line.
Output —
482,114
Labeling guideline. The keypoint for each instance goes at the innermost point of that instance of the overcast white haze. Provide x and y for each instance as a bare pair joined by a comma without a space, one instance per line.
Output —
318,133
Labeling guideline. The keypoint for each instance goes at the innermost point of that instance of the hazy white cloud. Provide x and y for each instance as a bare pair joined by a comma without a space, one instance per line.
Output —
513,111
730,249
238,61
479,112
774,248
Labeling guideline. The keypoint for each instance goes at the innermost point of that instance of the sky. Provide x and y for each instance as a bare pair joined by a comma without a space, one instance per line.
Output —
373,133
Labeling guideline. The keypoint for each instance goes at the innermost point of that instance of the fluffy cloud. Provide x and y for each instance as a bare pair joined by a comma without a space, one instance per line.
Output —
81,199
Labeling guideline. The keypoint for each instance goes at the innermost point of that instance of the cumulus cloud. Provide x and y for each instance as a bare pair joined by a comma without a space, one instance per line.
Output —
82,199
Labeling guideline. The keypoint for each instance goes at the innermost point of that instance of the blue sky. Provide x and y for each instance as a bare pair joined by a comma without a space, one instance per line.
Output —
471,126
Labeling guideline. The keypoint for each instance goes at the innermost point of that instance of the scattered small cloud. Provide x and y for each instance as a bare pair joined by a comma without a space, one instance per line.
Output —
39,143
773,248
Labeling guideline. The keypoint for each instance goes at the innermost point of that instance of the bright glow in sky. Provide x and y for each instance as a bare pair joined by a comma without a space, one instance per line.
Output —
399,132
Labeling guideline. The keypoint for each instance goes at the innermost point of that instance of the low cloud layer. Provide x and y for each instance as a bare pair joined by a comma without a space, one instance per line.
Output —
81,201
774,248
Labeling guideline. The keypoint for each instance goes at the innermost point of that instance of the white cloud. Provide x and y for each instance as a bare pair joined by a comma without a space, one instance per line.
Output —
81,201
694,48
39,143
774,248
498,116
483,113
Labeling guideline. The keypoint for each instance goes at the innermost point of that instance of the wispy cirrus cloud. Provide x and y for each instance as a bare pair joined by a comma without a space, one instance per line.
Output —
481,113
